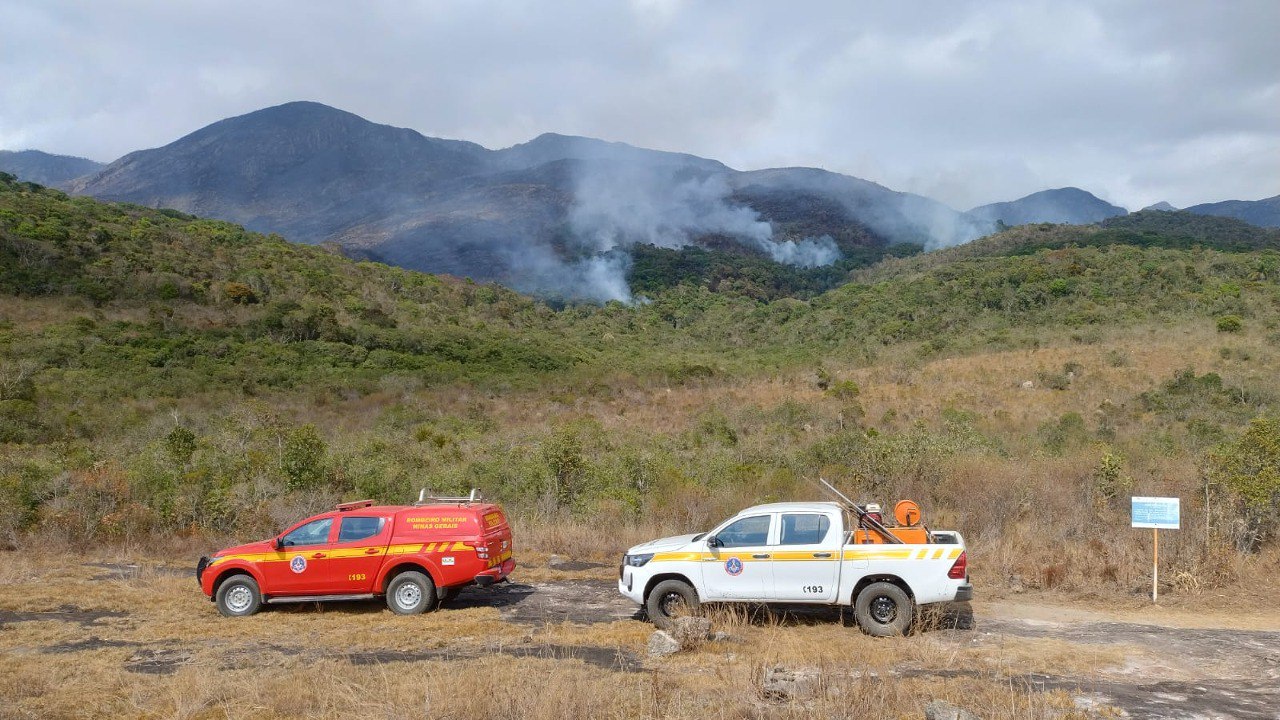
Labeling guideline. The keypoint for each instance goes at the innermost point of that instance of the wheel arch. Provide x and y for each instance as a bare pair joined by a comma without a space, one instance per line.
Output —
228,572
410,565
663,577
880,577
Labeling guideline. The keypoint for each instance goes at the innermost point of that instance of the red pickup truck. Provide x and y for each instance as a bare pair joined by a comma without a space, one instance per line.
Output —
414,555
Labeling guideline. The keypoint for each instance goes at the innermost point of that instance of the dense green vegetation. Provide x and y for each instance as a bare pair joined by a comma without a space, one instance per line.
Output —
163,373
1149,228
655,270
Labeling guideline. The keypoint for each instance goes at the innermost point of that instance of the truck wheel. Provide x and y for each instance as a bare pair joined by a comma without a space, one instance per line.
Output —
410,593
669,600
883,610
238,596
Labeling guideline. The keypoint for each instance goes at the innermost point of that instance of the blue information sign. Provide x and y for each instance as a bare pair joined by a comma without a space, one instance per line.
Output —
1156,512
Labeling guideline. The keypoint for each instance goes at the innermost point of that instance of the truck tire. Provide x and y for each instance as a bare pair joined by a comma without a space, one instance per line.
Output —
883,609
238,596
411,593
669,600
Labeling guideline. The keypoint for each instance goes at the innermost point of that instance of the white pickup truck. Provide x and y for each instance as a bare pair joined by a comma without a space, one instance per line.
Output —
812,552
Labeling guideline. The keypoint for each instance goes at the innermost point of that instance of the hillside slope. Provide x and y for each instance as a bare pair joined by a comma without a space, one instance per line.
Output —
555,216
1063,205
222,306
44,168
1265,213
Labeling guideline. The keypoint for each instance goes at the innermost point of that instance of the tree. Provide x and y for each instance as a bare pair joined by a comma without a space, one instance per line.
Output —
1249,469
240,293
303,457
181,445
564,457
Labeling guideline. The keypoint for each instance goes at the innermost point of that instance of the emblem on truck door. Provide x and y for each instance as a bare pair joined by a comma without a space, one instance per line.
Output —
733,566
298,564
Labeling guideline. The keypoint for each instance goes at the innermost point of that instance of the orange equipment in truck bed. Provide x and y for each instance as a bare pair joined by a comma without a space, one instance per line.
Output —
908,535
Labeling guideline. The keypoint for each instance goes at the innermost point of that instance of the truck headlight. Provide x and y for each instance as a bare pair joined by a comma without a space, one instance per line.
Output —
637,560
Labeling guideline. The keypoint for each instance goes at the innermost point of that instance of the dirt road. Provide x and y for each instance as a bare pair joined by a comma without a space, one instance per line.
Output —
1168,671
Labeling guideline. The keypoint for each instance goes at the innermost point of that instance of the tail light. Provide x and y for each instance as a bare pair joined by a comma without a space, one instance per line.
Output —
960,569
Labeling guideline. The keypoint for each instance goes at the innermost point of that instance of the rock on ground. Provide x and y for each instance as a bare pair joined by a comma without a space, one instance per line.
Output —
690,631
662,644
942,710
786,684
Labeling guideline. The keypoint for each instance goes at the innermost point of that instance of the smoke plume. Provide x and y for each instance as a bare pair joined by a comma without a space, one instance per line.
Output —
665,204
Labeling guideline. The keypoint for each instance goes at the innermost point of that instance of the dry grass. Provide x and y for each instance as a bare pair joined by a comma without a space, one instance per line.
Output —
362,661
988,383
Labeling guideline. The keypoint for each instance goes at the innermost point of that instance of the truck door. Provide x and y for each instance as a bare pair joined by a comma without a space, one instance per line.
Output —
356,557
806,559
300,567
740,567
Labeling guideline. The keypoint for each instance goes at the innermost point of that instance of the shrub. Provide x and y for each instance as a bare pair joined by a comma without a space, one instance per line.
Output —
1250,469
1054,380
303,457
844,390
239,293
1109,478
1188,395
19,421
181,445
1067,431
1230,323
715,426
564,458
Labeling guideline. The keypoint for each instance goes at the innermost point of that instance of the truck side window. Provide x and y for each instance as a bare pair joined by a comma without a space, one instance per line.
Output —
315,532
358,528
745,532
804,528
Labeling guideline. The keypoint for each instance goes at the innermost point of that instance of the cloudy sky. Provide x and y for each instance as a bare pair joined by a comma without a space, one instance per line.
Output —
967,102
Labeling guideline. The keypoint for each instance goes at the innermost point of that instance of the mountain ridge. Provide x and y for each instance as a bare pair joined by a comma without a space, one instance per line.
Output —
1264,212
1069,205
554,215
46,168
557,215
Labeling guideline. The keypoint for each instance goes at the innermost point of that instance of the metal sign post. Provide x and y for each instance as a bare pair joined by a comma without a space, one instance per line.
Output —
1155,513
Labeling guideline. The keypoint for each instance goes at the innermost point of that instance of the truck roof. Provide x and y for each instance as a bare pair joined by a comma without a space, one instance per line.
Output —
433,507
818,507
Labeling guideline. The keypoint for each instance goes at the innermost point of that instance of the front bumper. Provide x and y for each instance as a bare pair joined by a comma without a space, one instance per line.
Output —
964,592
630,585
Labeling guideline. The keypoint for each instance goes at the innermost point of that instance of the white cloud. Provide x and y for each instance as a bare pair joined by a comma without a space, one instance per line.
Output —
969,102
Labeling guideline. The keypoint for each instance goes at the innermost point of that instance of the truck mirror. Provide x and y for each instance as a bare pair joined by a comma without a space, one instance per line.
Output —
714,542
279,543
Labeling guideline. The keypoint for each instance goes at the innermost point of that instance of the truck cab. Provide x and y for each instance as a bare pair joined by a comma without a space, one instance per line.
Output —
414,555
814,553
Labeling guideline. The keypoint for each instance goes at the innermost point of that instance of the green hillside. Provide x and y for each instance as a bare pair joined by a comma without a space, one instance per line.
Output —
161,373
